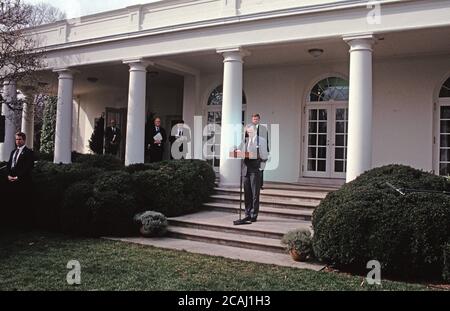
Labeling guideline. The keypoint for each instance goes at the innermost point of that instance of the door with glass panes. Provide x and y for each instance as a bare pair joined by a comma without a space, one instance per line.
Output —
214,121
325,140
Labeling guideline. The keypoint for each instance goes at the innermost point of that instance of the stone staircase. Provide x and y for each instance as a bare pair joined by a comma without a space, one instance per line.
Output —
283,207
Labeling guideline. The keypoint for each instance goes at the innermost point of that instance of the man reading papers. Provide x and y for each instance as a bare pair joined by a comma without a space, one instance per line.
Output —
254,149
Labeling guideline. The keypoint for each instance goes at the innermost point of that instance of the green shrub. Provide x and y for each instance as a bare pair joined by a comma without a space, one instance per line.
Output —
299,241
446,268
174,188
366,220
151,224
103,207
134,168
50,181
76,214
42,156
106,162
113,204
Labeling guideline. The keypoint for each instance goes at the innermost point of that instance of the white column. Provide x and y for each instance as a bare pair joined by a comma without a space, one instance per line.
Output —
359,156
135,143
63,132
28,120
10,95
231,115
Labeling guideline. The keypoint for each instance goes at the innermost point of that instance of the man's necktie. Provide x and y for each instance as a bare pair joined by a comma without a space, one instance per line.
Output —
16,155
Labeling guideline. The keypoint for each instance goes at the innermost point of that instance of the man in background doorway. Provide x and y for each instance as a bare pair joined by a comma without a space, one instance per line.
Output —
157,139
112,138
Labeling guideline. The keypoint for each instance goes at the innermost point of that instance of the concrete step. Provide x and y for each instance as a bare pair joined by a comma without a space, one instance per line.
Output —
288,203
304,214
279,193
236,253
229,239
266,226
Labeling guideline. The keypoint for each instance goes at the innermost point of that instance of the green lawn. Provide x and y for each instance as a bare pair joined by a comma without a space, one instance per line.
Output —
37,261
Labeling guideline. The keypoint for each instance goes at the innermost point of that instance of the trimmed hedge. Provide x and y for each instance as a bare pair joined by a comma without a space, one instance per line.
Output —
173,188
366,220
97,195
50,181
76,214
107,162
446,269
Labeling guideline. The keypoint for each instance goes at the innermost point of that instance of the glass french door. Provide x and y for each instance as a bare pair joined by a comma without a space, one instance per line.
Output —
214,119
325,140
444,137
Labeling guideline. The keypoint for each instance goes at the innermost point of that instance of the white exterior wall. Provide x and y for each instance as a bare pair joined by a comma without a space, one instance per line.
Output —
403,108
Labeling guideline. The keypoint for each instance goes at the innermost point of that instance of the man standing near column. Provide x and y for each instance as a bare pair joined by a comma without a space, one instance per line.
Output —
256,147
261,131
157,139
19,167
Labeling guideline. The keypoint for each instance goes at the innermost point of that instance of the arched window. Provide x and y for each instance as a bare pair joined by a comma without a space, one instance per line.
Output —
445,90
216,97
331,88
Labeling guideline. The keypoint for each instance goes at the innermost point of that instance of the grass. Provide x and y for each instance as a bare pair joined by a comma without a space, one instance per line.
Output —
37,261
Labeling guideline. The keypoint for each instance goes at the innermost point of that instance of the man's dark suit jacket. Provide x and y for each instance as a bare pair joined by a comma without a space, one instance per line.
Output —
24,165
156,151
152,134
109,135
262,132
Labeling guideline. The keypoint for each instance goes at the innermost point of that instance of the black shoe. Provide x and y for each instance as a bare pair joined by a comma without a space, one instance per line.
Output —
253,219
247,218
262,188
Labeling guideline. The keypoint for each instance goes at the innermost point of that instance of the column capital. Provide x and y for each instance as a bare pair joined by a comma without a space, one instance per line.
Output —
137,64
235,54
362,42
65,73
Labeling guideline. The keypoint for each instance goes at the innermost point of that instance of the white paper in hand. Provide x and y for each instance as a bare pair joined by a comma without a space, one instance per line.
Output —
158,137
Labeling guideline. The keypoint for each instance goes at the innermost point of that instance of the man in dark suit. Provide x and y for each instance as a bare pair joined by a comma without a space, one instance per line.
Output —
156,139
261,131
256,147
19,168
112,138
178,138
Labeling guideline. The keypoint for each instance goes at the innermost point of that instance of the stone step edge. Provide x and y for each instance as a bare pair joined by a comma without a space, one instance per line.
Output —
282,212
305,195
264,201
247,229
234,253
231,239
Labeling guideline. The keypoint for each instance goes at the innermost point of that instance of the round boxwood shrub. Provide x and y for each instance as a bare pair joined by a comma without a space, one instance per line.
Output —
174,188
151,224
76,214
50,181
113,204
366,219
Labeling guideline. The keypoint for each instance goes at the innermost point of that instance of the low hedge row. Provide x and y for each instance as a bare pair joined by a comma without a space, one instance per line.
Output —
96,195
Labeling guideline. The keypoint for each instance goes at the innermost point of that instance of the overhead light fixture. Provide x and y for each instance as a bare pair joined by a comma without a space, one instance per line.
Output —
315,52
92,79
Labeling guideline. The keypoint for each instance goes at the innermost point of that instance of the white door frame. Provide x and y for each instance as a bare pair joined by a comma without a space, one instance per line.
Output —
437,132
331,107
